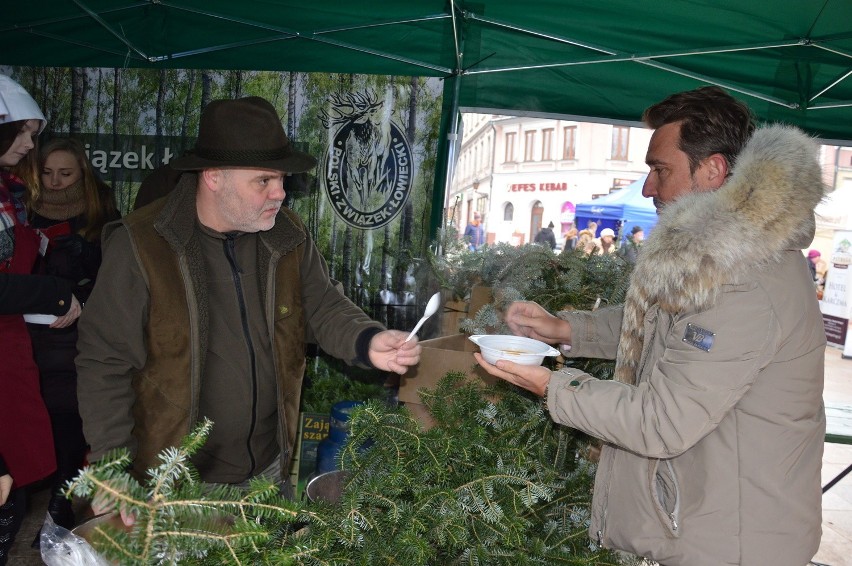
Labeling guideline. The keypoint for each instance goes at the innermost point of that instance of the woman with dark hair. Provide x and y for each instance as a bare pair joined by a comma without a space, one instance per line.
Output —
69,206
26,443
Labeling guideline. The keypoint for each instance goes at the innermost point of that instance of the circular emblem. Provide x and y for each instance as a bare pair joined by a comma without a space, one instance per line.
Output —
368,173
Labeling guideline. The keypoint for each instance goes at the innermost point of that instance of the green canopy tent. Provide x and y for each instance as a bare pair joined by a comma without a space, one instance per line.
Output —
790,60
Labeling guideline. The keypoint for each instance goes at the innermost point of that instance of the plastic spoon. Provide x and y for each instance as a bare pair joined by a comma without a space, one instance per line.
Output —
431,308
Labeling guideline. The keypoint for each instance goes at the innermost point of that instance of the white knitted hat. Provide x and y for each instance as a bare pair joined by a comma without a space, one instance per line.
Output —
17,104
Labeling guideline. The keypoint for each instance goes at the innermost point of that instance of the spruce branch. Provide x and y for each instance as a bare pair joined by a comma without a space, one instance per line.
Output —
492,483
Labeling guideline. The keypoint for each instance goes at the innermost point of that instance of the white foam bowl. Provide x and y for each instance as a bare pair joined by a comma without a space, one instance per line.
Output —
518,349
40,318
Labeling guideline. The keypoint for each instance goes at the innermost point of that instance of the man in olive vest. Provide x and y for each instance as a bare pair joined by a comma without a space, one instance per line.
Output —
204,303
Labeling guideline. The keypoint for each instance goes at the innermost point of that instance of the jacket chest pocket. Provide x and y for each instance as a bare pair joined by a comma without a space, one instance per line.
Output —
287,306
665,494
283,312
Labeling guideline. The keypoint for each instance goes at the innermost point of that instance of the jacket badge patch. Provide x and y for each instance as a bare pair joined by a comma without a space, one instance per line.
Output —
699,337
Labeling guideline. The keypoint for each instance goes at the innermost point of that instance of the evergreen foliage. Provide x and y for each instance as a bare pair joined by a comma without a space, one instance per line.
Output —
566,281
569,280
494,482
329,380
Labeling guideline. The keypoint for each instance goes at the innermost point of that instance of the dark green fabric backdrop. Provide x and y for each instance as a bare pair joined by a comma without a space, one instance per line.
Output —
606,59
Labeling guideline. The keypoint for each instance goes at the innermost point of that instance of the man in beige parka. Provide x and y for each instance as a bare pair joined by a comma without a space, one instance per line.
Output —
713,429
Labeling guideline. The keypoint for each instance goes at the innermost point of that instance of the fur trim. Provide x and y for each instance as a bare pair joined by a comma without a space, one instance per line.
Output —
707,239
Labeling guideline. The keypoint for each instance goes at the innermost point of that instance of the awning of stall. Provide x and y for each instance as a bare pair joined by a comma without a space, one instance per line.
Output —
790,61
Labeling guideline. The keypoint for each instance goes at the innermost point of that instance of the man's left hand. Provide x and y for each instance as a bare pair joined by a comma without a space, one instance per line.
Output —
390,352
531,378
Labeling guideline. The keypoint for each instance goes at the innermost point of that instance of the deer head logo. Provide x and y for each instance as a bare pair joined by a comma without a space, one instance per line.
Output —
368,167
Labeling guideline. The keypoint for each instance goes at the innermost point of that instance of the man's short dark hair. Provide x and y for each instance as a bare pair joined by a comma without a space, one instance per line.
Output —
636,229
711,121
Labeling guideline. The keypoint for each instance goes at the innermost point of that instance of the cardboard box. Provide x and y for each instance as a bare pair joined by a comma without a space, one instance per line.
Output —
479,297
439,357
454,312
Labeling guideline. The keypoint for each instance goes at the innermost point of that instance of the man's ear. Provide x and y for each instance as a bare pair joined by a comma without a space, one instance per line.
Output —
714,170
211,178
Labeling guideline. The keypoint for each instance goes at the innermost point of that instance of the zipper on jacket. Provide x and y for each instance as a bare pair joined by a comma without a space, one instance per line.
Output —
195,353
283,440
228,244
674,488
607,463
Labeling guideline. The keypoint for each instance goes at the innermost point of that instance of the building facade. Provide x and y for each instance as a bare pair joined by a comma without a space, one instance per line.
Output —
523,173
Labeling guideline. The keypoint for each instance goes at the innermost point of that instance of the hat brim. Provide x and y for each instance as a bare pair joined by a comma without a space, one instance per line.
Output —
295,162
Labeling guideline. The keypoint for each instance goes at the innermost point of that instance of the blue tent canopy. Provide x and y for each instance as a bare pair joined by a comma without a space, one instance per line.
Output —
620,210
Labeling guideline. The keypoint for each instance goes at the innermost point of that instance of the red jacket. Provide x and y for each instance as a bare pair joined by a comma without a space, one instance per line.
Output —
26,441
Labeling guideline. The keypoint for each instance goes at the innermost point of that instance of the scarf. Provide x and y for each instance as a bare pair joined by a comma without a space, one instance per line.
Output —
63,204
707,239
12,212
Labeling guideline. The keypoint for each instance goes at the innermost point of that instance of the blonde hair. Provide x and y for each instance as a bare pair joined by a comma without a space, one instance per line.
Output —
100,205
584,236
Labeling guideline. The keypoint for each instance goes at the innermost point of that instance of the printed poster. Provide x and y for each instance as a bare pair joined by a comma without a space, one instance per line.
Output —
837,297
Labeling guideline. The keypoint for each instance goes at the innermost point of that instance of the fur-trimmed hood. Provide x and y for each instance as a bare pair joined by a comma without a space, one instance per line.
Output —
707,239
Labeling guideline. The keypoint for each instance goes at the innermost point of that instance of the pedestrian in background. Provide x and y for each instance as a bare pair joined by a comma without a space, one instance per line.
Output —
546,237
630,250
570,239
606,243
474,232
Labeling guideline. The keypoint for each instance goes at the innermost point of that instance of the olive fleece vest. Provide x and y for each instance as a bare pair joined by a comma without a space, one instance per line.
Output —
164,237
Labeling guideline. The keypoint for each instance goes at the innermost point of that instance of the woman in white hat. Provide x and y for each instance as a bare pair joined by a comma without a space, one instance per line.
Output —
26,445
606,243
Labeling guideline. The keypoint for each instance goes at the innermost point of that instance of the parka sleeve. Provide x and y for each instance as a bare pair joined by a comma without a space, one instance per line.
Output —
594,334
689,389
334,321
111,347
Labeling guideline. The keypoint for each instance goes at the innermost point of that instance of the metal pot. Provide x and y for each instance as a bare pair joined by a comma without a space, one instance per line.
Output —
327,487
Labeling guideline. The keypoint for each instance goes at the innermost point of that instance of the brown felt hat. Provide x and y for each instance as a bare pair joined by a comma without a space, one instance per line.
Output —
243,133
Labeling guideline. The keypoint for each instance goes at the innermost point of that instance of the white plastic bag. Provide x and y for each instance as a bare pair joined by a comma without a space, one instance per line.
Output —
61,547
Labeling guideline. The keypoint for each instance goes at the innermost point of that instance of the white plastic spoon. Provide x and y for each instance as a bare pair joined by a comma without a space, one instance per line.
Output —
431,308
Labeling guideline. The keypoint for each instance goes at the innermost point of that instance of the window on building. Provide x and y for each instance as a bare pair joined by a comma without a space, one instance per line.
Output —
529,146
547,144
620,141
569,147
509,212
510,147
